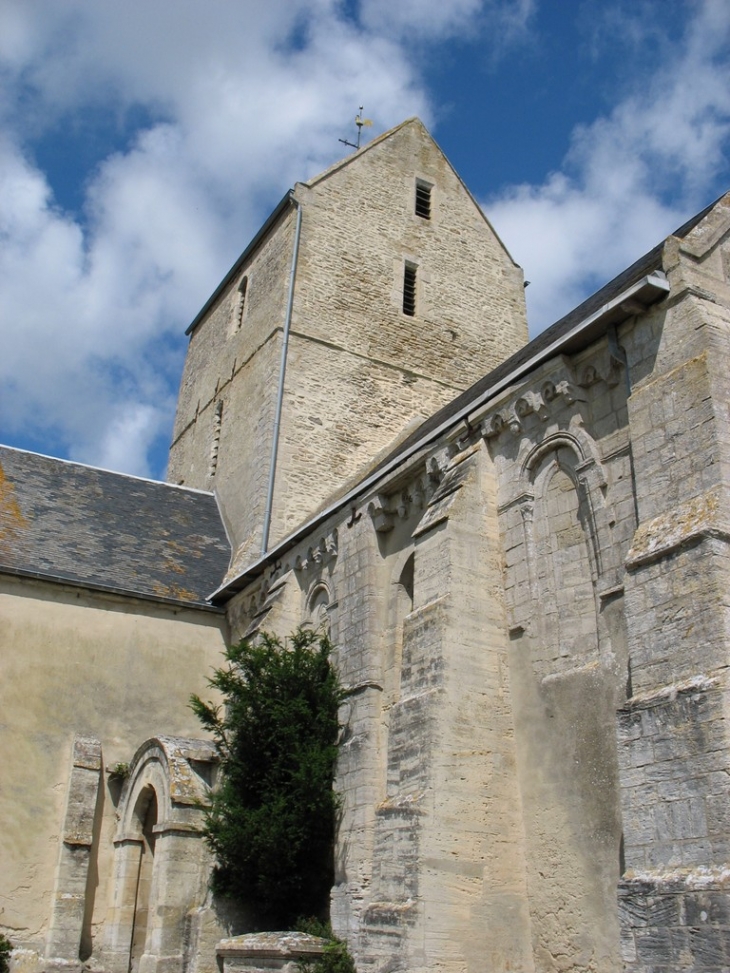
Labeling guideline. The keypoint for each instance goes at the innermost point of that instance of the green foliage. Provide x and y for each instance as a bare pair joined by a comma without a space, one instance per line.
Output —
335,959
272,821
336,956
119,772
5,950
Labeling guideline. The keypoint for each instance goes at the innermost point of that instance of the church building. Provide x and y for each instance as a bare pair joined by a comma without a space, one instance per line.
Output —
519,550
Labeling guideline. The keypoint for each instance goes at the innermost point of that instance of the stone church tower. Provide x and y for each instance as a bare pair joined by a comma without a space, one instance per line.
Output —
520,552
373,295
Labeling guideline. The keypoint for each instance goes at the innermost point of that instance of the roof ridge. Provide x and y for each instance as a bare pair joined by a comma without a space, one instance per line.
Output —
104,469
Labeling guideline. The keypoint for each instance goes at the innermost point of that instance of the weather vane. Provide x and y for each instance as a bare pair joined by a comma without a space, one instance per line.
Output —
360,122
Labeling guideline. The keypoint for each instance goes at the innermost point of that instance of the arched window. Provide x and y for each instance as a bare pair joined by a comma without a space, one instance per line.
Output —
564,550
317,608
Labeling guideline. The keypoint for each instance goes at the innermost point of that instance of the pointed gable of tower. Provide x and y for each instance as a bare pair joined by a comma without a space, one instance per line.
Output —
378,290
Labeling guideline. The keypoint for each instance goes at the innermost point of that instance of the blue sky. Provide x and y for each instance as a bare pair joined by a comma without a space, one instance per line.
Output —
142,143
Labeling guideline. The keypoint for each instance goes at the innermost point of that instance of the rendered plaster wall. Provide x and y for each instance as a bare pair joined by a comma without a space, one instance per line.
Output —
108,669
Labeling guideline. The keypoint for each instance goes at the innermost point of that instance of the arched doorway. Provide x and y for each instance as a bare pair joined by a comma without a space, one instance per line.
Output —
161,863
145,817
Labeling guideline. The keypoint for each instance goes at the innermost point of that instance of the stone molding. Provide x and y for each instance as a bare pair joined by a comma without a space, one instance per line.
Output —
267,951
319,554
389,506
689,523
562,384
182,785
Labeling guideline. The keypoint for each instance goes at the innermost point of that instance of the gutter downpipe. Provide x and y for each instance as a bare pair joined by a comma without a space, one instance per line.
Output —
282,375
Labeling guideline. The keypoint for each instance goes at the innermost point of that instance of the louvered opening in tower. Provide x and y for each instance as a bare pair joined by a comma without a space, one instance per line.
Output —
409,290
423,200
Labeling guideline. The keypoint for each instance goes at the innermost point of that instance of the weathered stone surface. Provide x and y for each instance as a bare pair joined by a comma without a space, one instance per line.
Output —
352,350
527,595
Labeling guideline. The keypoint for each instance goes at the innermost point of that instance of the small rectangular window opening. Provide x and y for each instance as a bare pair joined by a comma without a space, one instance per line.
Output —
409,290
423,199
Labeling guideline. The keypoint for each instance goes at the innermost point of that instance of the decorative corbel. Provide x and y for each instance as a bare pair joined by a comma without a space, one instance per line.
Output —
524,406
434,471
514,424
529,403
589,376
492,426
567,391
404,504
381,517
330,543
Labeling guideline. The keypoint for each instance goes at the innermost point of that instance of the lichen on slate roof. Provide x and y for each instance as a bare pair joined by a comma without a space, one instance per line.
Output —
67,522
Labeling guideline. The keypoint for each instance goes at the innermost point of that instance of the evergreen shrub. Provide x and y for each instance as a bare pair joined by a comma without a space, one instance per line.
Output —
336,957
271,823
5,949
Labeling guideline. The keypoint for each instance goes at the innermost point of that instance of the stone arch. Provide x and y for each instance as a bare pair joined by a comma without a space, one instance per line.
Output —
557,565
319,599
400,605
562,479
161,864
536,454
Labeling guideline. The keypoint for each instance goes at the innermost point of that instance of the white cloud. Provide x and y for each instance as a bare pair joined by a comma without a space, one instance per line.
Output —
125,438
245,98
242,99
629,178
423,19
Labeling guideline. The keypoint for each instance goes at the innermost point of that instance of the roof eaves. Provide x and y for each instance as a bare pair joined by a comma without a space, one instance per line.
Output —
650,289
121,592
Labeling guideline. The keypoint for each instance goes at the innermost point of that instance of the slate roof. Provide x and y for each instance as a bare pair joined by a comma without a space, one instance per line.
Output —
67,522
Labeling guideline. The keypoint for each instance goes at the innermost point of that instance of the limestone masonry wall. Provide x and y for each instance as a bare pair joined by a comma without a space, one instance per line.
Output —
529,608
358,369
225,417
532,612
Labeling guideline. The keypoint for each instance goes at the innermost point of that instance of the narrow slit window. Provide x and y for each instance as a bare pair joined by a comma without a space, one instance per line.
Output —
240,303
423,200
216,439
409,290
